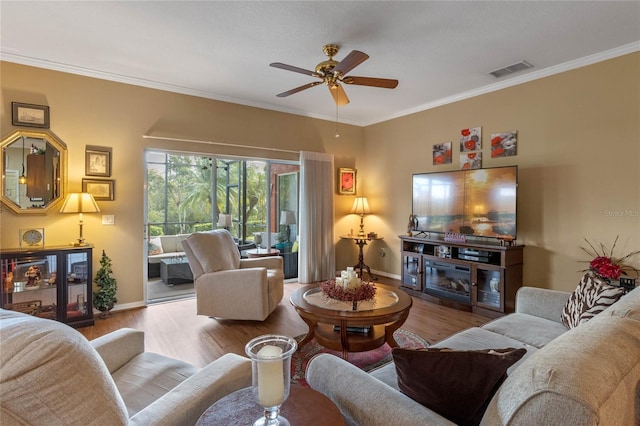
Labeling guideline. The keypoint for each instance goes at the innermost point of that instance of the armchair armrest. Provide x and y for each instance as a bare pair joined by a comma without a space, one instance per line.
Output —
185,403
119,347
541,302
364,400
269,262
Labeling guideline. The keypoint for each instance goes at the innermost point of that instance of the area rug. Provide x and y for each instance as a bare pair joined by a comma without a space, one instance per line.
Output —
366,361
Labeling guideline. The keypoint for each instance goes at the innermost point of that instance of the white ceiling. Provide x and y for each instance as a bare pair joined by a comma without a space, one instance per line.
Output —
439,51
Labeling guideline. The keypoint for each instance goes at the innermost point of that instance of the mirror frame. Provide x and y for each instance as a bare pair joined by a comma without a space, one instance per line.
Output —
56,143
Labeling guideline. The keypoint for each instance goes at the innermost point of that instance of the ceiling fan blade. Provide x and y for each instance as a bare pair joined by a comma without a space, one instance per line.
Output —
385,83
339,95
351,61
298,89
294,69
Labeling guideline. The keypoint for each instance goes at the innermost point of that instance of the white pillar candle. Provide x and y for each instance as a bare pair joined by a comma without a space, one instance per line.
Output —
270,376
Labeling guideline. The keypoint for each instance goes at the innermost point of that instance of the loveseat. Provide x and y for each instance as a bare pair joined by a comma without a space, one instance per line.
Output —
163,247
589,375
52,375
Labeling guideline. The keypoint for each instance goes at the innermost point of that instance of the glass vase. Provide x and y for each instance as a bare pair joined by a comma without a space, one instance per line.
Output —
271,375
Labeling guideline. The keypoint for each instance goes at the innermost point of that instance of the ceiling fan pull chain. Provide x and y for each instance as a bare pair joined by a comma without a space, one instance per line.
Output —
337,134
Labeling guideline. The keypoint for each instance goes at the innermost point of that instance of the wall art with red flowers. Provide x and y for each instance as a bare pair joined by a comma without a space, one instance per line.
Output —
347,181
504,144
471,160
471,139
442,153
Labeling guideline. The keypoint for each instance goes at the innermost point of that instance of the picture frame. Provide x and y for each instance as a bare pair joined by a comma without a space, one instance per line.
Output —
347,181
101,189
30,115
97,161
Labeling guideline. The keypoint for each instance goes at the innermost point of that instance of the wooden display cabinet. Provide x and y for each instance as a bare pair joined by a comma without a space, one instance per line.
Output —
52,282
479,276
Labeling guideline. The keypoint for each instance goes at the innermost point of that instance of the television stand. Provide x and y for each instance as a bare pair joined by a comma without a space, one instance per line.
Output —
479,276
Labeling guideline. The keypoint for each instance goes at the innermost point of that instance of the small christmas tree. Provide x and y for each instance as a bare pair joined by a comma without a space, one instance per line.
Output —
105,297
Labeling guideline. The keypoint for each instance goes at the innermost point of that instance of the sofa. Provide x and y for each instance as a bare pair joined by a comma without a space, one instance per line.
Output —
52,375
163,247
589,375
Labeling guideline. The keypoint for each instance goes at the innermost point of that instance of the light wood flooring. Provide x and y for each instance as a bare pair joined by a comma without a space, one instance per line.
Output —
173,329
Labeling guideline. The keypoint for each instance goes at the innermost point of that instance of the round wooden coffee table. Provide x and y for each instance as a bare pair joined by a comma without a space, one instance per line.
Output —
336,326
253,253
304,406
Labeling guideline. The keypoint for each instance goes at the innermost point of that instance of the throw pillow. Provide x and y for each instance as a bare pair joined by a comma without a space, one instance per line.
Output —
591,296
456,384
154,246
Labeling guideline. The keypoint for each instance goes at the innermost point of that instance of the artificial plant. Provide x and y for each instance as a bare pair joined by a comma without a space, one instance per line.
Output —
105,297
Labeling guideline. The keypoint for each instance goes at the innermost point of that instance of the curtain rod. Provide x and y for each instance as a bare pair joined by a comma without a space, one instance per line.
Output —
164,138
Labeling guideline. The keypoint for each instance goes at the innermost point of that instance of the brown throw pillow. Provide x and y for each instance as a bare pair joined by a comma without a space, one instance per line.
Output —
591,297
456,384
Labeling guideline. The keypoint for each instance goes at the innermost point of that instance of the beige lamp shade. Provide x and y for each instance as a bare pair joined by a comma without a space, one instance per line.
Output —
360,206
224,220
80,202
287,217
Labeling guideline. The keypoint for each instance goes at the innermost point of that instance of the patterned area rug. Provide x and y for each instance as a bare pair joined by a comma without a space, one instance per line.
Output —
366,361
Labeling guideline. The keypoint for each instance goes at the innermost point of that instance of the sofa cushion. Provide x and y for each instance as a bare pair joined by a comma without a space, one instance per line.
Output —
456,384
628,306
591,296
530,329
154,246
147,377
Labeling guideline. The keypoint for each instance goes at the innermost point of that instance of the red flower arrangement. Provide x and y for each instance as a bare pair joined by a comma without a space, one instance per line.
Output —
366,291
605,265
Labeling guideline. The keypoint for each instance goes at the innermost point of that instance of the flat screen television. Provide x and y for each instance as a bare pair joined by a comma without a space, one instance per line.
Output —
480,202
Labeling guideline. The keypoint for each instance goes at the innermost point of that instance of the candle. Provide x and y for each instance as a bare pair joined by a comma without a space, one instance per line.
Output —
270,376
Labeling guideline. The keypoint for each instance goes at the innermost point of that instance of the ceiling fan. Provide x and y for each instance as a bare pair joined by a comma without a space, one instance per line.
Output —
332,73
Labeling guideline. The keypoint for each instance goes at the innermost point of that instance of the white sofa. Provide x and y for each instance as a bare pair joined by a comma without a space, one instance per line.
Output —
52,375
171,247
589,375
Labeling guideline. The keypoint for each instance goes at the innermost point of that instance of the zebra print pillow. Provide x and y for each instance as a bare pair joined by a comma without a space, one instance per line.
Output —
591,297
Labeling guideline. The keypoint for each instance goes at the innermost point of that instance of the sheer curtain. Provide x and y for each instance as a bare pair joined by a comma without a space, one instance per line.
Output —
317,251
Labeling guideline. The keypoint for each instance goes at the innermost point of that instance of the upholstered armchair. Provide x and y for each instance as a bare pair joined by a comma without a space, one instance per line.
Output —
50,374
230,287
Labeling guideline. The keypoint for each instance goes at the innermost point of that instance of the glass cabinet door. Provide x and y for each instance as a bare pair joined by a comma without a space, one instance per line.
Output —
29,285
490,287
78,275
411,272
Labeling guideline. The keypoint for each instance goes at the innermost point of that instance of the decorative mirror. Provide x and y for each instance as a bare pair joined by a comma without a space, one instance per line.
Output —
34,171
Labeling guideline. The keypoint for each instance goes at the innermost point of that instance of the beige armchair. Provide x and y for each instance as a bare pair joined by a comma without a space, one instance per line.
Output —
52,375
230,287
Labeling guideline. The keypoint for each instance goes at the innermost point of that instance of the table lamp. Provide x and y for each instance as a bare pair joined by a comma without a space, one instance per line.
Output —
287,218
361,207
224,221
80,202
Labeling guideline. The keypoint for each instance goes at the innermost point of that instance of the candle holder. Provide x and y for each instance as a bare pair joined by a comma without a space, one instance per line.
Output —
271,375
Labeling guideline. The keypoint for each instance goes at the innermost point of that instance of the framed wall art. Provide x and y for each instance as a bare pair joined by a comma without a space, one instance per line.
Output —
347,181
29,115
97,161
101,189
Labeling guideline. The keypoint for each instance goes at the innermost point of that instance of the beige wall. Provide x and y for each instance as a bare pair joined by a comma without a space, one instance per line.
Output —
578,153
578,158
88,111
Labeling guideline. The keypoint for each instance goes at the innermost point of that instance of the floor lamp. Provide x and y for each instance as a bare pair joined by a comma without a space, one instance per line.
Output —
80,202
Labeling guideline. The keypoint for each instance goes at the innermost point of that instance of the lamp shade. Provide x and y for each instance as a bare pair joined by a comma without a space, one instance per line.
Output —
360,206
79,202
224,220
287,217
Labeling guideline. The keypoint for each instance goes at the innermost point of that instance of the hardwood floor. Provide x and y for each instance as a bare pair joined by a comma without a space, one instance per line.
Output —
173,329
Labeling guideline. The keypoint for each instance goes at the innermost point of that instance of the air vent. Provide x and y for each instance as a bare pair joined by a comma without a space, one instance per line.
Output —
522,65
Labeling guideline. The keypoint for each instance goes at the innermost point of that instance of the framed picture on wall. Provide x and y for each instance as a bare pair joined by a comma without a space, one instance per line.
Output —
347,181
97,161
29,115
101,189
